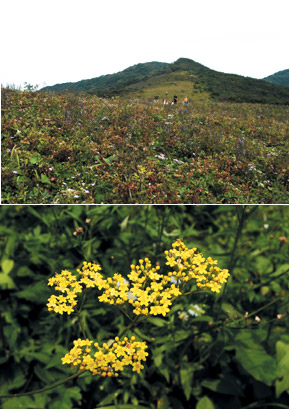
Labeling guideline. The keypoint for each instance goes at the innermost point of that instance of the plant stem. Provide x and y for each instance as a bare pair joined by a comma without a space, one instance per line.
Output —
131,325
54,385
256,311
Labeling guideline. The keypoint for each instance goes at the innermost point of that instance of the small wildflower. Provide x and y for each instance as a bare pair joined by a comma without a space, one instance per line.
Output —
283,240
78,230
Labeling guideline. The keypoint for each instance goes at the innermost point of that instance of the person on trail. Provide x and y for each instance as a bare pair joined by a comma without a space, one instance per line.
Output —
186,102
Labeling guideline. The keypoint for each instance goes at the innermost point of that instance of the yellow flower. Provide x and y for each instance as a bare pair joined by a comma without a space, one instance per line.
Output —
108,360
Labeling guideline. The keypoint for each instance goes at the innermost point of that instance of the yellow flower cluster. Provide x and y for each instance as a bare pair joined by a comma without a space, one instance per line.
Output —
188,265
148,291
67,284
108,359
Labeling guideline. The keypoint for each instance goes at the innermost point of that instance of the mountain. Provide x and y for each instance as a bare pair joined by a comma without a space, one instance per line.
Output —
279,78
184,77
111,82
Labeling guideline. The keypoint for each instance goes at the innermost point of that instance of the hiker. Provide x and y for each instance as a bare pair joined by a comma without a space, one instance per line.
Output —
165,102
175,99
186,102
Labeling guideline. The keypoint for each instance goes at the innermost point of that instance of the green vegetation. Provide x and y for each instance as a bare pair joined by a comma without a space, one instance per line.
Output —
111,82
217,351
144,80
83,149
280,78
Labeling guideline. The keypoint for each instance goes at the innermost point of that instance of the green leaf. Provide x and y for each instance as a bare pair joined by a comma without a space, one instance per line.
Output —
24,271
258,363
282,381
280,270
45,179
227,385
66,397
263,265
23,402
110,159
124,223
158,322
110,397
17,381
186,374
205,403
7,265
33,159
38,293
6,282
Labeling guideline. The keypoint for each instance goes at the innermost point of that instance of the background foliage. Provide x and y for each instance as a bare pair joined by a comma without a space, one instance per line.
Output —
211,351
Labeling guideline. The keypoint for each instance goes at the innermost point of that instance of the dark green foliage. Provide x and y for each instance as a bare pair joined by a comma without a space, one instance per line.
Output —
211,351
280,78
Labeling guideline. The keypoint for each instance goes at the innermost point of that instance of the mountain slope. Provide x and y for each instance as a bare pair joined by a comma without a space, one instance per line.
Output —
184,77
280,78
118,80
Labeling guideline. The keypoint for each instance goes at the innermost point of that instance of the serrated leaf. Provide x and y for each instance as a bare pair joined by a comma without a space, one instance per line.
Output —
23,402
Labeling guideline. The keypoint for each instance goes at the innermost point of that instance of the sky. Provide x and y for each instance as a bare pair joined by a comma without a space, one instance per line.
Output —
49,42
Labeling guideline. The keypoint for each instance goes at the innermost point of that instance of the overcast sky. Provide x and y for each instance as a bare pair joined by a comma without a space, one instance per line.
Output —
48,42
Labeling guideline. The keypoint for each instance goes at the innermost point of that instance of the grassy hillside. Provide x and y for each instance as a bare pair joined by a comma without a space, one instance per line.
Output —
83,149
280,78
184,77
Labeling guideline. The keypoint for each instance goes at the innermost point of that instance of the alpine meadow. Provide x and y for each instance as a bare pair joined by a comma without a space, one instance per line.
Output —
120,139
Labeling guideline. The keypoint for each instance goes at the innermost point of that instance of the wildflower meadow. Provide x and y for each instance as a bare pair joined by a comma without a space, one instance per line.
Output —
64,149
144,307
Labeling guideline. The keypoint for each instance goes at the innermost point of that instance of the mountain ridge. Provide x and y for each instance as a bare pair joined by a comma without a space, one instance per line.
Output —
185,77
279,78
